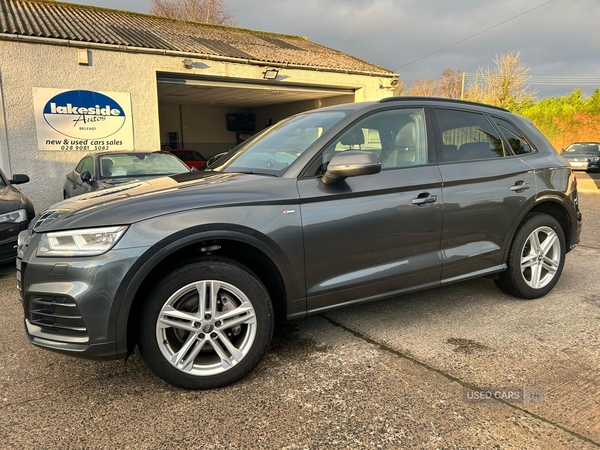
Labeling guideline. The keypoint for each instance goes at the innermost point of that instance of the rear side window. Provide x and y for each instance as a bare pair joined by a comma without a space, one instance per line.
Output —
468,136
514,137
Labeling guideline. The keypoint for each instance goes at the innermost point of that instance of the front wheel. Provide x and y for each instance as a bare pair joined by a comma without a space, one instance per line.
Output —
206,324
536,258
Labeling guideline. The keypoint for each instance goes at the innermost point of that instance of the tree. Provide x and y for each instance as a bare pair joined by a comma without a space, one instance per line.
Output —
449,85
505,85
208,11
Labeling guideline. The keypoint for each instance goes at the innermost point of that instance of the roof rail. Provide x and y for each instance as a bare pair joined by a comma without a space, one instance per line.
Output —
438,99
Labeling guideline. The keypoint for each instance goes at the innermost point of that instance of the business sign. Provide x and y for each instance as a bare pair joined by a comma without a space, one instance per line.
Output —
82,120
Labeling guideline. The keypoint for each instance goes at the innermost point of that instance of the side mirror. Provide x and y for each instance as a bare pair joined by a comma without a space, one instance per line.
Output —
19,178
351,163
86,176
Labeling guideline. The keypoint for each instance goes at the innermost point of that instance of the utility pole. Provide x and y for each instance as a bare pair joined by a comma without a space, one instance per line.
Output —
462,89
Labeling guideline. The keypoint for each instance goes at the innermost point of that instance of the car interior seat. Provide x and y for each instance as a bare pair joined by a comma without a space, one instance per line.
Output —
106,167
404,153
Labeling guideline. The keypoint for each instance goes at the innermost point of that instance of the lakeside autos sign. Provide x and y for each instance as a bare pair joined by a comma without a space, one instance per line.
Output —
83,120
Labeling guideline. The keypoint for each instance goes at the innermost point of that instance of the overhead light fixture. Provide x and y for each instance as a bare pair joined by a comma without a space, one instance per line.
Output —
188,63
270,74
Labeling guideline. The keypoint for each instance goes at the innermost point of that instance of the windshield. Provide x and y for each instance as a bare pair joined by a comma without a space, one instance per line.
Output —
122,165
277,148
583,148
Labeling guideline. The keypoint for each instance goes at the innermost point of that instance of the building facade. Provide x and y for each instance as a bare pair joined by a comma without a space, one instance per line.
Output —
76,79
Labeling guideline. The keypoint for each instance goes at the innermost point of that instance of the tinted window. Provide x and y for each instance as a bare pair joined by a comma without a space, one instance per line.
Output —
79,168
189,156
468,136
515,138
583,148
88,164
397,137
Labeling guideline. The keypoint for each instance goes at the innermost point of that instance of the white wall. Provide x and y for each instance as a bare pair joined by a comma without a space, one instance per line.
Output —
24,66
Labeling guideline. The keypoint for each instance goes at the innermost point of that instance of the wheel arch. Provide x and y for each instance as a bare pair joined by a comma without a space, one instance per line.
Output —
554,207
254,250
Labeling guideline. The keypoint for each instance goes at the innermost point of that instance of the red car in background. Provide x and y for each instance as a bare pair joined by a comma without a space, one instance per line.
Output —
192,158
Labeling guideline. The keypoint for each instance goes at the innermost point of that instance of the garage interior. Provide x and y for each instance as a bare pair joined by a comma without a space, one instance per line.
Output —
193,112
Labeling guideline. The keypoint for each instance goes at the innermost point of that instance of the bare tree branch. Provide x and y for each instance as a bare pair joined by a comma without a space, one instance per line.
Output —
207,11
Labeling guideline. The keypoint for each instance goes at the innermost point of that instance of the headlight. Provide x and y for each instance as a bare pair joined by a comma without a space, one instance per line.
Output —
18,216
90,242
595,158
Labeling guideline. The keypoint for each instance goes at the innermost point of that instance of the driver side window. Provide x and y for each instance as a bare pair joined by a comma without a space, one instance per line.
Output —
397,137
88,164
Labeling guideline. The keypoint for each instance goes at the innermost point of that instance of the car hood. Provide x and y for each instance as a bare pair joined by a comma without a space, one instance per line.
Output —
11,199
140,200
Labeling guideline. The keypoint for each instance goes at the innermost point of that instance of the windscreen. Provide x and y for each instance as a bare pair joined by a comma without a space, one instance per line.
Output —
120,165
276,149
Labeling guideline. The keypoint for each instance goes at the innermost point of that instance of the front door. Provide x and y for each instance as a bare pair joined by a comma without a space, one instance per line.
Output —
373,236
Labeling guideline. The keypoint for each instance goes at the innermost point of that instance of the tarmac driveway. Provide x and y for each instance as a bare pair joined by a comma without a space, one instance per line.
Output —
389,374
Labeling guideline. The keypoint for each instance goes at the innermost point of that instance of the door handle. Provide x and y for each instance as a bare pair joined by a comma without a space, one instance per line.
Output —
424,199
520,186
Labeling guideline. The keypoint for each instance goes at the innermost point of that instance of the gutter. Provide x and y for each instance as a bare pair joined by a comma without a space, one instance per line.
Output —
154,51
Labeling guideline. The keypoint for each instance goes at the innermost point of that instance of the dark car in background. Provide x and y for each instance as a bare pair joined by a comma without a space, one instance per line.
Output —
192,158
15,213
329,208
110,169
583,156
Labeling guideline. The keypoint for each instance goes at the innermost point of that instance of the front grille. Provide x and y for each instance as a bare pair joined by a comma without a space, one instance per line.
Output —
56,315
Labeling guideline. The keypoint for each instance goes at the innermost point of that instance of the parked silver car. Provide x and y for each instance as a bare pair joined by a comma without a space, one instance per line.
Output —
110,169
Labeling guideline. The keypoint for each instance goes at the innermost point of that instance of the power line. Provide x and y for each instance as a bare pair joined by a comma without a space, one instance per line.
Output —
472,36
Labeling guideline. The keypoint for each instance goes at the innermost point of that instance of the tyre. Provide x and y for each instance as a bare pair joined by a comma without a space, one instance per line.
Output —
206,324
536,258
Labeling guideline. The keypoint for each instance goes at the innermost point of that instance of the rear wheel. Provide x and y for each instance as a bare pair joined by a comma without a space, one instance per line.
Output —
206,324
536,258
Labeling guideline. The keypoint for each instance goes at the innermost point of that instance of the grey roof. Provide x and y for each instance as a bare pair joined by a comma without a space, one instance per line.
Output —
85,24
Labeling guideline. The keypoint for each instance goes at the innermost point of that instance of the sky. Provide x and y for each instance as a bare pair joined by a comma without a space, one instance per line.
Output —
559,38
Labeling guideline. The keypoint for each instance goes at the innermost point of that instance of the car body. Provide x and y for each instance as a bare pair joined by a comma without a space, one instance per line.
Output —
109,169
15,213
192,158
583,156
329,208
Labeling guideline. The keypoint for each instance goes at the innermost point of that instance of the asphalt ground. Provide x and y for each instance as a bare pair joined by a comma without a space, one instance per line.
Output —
389,374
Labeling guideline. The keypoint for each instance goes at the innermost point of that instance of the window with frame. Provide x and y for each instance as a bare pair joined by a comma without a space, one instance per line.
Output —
468,136
79,167
88,164
514,137
397,137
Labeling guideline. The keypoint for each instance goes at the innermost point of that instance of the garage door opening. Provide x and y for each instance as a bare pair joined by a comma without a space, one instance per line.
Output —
214,116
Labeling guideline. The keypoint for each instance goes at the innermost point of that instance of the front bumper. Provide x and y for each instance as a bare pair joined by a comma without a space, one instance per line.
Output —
71,305
585,165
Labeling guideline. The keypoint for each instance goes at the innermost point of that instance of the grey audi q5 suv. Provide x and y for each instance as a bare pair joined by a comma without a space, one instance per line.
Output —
328,208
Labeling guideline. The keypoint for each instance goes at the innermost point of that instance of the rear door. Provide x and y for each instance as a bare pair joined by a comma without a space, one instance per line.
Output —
371,236
486,188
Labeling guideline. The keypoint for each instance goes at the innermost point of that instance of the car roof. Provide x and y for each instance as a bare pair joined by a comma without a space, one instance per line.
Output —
429,101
